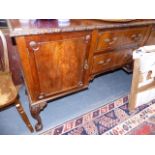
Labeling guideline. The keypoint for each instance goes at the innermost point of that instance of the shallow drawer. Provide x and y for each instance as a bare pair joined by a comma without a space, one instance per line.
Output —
109,40
103,62
151,40
108,61
134,36
115,39
123,57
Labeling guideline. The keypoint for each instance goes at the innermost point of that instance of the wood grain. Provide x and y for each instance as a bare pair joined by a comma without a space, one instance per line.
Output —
57,61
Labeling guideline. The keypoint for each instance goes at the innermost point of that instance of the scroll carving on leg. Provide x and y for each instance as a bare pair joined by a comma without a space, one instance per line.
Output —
35,111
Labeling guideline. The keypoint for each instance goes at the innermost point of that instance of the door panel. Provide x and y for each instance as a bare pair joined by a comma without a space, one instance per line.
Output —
59,64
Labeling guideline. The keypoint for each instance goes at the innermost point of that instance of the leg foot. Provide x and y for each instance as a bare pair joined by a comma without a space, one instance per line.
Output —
35,111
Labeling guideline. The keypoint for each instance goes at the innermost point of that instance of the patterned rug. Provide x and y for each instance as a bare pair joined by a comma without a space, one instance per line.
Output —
111,119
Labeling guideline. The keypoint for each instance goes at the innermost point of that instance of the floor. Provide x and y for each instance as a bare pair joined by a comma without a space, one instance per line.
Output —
102,90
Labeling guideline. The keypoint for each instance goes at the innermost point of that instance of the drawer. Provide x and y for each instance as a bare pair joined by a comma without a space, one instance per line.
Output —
134,36
103,62
115,39
108,61
123,57
108,40
151,39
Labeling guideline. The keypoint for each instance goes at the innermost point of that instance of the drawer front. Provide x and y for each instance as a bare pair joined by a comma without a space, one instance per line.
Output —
115,39
123,57
134,36
109,40
103,62
108,61
151,39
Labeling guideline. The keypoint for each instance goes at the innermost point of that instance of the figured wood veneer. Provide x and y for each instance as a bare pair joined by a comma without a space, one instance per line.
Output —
57,61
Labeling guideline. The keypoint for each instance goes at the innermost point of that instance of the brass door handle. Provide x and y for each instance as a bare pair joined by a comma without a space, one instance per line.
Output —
86,66
87,38
34,45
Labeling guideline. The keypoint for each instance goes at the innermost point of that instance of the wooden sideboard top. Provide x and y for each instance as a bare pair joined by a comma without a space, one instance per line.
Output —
42,26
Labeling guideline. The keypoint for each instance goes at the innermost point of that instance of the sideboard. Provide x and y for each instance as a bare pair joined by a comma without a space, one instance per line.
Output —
57,61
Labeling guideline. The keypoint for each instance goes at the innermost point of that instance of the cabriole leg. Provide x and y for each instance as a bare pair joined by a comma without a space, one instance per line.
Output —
35,112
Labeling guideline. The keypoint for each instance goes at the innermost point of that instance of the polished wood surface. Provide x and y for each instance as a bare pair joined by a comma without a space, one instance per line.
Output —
151,39
57,61
63,57
120,38
114,59
40,26
113,48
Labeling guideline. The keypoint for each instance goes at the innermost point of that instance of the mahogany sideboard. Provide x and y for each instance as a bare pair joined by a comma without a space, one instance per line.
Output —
57,61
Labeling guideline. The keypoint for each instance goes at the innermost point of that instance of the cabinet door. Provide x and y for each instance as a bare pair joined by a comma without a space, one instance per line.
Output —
60,64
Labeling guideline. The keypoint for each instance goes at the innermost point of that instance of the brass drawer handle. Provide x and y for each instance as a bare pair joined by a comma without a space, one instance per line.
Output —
102,62
34,45
136,37
110,41
108,60
140,35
